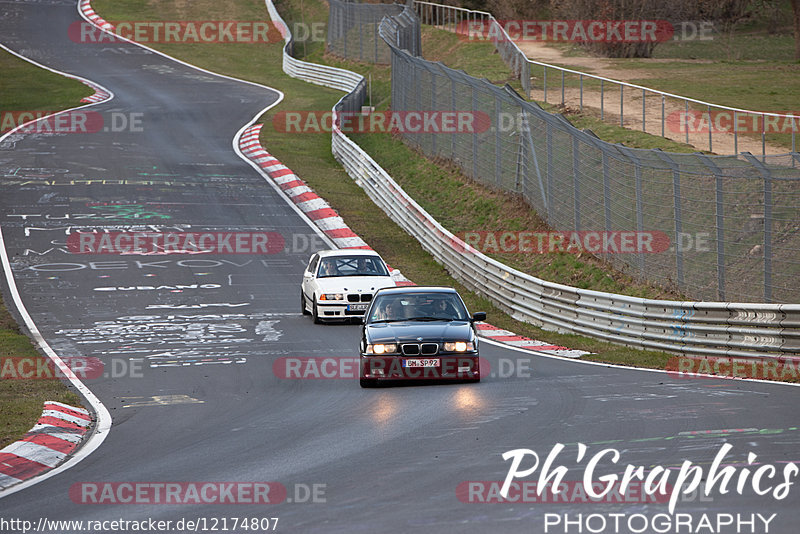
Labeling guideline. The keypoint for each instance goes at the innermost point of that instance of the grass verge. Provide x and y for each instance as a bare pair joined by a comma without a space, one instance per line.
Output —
309,156
26,88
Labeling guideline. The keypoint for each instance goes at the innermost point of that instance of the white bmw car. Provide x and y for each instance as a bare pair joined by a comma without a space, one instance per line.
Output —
339,284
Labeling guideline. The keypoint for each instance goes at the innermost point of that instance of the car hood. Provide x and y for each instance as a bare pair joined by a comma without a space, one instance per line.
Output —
434,331
355,283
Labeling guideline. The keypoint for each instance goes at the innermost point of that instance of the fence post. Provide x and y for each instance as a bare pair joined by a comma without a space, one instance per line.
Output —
360,44
735,135
545,84
767,176
710,129
676,195
686,121
576,168
637,172
454,100
498,145
474,137
663,99
621,105
527,128
433,108
606,197
581,91
375,38
526,78
602,101
644,124
720,220
550,177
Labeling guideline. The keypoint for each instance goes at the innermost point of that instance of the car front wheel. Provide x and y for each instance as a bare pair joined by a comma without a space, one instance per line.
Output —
303,303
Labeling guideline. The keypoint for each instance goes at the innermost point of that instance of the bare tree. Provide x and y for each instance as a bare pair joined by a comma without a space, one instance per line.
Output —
627,10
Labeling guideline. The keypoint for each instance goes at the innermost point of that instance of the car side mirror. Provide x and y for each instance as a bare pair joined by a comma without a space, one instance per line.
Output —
479,316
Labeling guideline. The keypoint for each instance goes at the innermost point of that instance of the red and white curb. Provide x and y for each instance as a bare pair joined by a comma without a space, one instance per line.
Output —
88,11
99,95
314,206
510,338
57,433
332,225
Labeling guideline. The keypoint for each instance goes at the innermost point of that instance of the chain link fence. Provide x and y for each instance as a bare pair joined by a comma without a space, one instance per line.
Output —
733,222
353,30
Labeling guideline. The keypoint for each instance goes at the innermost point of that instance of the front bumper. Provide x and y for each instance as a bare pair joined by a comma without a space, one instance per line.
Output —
340,310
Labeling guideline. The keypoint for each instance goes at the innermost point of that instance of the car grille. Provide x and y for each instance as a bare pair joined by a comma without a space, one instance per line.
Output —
415,349
359,297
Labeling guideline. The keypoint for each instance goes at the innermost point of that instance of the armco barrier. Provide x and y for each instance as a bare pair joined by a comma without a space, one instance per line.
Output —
694,328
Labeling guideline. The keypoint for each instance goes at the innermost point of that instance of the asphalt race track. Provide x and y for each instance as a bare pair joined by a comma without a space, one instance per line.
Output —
190,382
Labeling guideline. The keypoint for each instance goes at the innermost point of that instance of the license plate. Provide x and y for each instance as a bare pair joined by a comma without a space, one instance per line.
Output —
430,362
357,307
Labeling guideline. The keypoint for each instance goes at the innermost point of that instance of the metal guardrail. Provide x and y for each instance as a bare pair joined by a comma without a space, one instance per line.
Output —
457,19
692,328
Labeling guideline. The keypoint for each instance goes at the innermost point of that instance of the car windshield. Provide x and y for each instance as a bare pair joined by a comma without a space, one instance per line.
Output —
351,266
417,307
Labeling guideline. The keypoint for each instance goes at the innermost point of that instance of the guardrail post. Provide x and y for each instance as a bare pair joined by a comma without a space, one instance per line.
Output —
720,223
562,87
663,118
621,105
735,135
767,176
581,91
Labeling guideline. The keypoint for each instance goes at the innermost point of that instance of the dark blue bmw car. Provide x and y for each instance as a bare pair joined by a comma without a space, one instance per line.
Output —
419,333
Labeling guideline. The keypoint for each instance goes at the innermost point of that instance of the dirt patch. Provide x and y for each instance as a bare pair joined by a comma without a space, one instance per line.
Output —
661,115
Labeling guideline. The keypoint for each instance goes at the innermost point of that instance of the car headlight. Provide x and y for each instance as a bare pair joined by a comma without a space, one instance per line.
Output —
459,346
331,296
382,348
